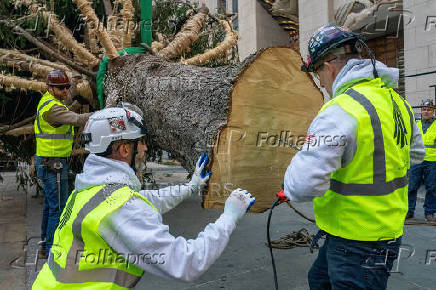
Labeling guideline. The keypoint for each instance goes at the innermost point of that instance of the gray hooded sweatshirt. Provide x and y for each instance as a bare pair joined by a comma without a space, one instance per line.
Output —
308,175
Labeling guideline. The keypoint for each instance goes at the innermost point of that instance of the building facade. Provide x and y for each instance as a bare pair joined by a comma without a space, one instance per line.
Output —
256,27
401,33
420,50
404,36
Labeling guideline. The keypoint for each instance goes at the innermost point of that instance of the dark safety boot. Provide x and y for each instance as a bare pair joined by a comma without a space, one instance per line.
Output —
430,218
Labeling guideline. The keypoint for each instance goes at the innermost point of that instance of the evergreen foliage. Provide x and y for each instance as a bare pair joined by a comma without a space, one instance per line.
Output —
169,16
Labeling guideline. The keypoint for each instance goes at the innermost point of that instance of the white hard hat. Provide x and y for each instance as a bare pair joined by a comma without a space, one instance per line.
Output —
112,124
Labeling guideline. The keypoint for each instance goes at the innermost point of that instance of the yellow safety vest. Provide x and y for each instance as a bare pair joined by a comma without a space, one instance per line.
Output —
79,257
429,139
367,199
51,141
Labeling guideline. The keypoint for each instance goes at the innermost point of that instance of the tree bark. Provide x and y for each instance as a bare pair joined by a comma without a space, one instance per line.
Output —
24,130
184,106
237,114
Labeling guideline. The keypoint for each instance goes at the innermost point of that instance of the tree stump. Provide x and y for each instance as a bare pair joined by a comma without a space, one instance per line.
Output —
244,116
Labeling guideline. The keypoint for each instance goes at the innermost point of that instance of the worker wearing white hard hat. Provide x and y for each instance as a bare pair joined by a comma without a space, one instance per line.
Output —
111,232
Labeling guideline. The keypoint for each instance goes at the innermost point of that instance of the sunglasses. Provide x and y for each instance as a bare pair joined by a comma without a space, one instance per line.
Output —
144,140
317,68
63,87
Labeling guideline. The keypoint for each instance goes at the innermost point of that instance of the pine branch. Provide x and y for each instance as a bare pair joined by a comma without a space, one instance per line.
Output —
90,16
128,24
24,130
84,89
229,41
113,32
16,125
50,52
65,37
17,55
36,69
157,46
187,36
12,82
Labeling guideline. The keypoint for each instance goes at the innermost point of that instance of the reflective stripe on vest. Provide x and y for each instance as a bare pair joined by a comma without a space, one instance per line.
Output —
71,272
40,135
379,187
383,129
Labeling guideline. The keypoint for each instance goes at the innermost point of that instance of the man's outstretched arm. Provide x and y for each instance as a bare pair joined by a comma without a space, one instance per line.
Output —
136,229
333,136
167,198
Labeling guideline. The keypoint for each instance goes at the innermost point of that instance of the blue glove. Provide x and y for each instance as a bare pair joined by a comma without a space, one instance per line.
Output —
200,177
238,203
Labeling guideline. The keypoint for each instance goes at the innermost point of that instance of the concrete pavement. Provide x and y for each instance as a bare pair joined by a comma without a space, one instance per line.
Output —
245,263
12,233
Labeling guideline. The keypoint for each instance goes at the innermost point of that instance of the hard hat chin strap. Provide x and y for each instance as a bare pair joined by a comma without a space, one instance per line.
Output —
371,55
135,151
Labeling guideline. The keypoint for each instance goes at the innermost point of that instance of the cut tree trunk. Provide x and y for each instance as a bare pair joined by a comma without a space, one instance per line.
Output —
238,114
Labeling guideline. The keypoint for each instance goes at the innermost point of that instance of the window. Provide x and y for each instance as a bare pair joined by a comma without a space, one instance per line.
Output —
235,6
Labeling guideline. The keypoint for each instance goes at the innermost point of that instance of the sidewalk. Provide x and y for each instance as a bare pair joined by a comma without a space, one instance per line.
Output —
245,263
33,220
12,233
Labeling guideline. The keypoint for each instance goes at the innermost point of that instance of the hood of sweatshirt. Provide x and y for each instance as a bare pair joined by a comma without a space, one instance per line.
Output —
100,170
359,69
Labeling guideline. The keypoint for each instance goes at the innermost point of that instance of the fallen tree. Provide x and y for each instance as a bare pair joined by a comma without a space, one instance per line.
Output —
241,115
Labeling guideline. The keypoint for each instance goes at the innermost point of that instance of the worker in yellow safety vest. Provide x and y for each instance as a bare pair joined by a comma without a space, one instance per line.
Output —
111,231
54,133
425,171
355,163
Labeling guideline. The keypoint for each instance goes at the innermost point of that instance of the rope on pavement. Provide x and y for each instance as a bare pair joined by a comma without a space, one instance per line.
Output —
302,238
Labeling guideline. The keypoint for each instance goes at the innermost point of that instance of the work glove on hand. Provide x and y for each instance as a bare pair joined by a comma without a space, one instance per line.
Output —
238,203
200,177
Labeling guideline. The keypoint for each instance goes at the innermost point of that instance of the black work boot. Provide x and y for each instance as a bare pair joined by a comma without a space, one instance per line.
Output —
430,218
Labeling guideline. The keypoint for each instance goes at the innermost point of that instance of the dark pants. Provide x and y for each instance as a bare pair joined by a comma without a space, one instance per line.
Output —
424,172
346,264
50,212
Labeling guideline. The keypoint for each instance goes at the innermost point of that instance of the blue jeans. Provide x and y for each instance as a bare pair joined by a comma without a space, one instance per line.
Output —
424,172
346,264
50,212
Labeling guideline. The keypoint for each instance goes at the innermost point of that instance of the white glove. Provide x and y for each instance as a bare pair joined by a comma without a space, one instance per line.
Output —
200,177
238,203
